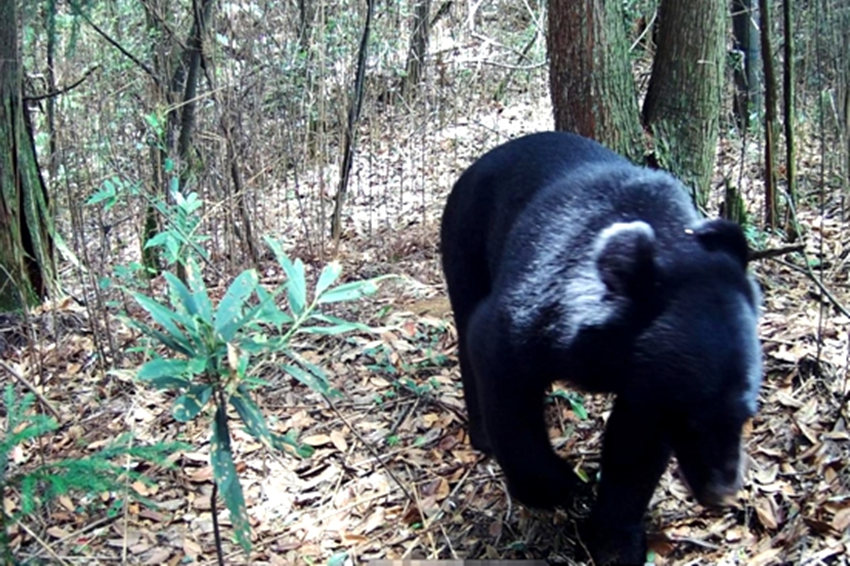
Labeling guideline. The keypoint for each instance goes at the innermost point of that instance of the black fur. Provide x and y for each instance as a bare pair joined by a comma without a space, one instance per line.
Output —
565,261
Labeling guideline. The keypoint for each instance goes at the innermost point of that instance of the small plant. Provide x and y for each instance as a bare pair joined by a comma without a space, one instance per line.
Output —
210,350
575,400
102,472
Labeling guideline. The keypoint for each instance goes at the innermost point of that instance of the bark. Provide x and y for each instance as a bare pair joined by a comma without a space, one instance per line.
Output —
788,95
306,14
747,78
591,84
351,129
682,106
418,47
180,120
27,270
770,123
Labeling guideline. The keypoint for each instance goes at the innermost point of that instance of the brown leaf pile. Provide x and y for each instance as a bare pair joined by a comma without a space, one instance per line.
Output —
393,474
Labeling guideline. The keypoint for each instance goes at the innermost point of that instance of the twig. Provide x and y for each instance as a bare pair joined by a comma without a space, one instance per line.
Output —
76,9
44,544
775,252
25,382
63,90
370,448
810,274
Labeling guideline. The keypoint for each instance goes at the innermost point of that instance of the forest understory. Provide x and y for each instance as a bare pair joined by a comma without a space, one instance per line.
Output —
393,474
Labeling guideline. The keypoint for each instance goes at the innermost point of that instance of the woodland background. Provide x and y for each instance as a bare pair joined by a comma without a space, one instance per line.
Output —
174,136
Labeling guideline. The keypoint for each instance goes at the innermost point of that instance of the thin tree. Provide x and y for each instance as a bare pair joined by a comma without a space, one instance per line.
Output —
27,270
590,78
418,46
747,77
770,123
181,96
350,139
790,111
682,106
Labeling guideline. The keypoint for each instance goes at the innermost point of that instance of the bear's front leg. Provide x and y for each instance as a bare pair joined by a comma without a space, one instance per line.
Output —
510,398
634,455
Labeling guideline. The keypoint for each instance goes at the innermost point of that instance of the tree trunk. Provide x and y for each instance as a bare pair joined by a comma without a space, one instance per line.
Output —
180,121
682,106
591,84
747,79
27,270
771,127
306,14
418,47
790,117
351,130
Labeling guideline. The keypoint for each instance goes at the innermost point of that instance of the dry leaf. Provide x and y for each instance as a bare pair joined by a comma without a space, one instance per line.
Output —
766,511
337,437
316,440
841,520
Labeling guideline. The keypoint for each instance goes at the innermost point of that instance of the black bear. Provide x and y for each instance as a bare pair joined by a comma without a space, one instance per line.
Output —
565,261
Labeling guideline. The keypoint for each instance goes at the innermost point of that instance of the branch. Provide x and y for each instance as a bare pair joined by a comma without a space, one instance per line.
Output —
774,252
807,271
63,90
115,44
32,388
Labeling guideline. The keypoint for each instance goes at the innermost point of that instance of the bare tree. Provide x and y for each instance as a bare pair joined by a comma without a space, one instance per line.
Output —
418,46
747,70
771,126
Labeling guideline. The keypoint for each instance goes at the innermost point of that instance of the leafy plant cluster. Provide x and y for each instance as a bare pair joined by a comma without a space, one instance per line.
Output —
29,486
202,350
205,351
211,348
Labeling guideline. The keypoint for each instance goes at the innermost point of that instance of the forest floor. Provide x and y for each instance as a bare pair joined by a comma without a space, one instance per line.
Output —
393,475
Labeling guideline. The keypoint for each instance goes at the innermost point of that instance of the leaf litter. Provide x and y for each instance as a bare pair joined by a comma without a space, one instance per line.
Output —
393,474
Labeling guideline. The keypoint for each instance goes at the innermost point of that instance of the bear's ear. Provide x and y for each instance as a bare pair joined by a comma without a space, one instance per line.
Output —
624,258
723,235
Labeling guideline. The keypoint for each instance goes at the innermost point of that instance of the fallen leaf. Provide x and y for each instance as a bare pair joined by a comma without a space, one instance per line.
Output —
337,437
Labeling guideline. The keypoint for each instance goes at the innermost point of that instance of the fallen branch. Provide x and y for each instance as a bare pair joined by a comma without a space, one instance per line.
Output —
811,275
23,381
775,252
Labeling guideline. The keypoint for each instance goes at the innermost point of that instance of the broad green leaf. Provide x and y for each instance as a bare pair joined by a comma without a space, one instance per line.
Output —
338,559
107,193
577,405
250,414
307,378
349,291
165,240
153,122
296,284
330,273
281,441
188,405
224,473
228,317
199,364
331,320
268,312
332,330
169,382
163,316
199,290
163,367
181,293
161,337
